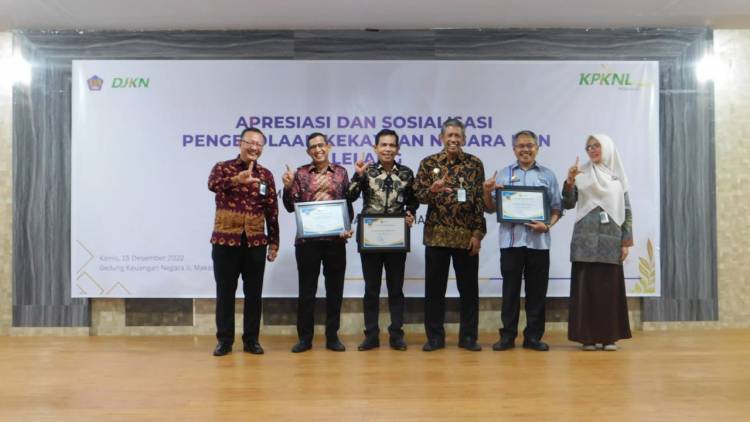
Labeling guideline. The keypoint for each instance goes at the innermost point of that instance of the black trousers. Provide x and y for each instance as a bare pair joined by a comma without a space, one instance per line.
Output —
372,269
533,266
437,265
229,263
310,255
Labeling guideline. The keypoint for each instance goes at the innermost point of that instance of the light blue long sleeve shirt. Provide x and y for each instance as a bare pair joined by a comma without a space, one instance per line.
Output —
519,235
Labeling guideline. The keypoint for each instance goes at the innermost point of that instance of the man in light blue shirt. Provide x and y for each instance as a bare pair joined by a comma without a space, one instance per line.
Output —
524,247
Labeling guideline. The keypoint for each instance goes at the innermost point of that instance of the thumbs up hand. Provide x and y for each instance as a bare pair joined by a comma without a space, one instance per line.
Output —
440,185
288,177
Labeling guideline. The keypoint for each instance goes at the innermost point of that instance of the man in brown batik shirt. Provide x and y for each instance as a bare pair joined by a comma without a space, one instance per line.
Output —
246,207
450,183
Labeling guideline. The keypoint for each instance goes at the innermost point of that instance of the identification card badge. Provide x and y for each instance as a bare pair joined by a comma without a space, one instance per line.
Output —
461,195
603,217
262,189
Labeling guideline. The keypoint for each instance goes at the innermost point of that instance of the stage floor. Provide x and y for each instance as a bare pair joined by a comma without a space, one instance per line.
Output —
676,376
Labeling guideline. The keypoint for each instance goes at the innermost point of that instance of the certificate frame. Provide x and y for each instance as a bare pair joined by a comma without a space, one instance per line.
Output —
503,195
333,227
364,221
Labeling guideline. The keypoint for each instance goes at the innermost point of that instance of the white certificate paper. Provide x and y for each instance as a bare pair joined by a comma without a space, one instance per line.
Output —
321,219
520,205
383,232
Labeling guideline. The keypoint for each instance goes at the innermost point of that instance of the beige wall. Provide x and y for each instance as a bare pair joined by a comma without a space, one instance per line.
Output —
732,104
733,176
6,217
733,199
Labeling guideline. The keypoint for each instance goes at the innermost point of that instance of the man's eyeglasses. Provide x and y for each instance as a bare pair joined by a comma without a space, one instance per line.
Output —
253,144
316,146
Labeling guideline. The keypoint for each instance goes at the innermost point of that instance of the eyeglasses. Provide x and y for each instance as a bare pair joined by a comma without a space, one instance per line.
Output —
528,134
592,147
253,144
317,146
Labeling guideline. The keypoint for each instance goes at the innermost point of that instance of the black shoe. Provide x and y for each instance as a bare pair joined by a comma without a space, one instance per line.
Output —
537,345
301,346
222,349
253,347
369,343
398,344
505,343
470,345
433,345
336,345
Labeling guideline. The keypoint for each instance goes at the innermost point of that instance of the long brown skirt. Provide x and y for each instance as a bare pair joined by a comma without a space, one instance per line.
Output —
598,311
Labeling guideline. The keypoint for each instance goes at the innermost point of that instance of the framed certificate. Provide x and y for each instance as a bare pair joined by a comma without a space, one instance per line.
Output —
321,218
522,204
382,233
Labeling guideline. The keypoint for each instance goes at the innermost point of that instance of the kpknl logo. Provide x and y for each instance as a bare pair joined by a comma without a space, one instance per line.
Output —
609,77
95,83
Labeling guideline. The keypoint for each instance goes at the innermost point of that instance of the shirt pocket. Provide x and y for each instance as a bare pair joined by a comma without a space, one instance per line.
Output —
542,182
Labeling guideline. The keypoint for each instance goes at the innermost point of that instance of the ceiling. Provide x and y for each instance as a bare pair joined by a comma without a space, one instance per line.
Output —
360,14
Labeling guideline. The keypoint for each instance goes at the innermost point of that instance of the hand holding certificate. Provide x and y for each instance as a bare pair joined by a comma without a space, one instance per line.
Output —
522,204
321,218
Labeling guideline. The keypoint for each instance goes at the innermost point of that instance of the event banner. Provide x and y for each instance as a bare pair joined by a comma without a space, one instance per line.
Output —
146,134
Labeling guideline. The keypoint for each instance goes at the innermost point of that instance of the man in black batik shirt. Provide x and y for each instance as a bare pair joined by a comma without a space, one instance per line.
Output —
386,188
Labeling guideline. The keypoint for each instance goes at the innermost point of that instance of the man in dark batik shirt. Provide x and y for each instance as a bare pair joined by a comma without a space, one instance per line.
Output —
386,188
246,206
320,180
450,183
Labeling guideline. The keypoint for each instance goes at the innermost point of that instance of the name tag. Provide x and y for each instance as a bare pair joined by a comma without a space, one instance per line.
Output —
262,189
603,217
461,195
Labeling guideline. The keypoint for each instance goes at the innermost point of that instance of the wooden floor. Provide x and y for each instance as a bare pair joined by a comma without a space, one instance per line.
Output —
675,376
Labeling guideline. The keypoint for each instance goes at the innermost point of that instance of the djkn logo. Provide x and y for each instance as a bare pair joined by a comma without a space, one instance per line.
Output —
130,82
95,83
